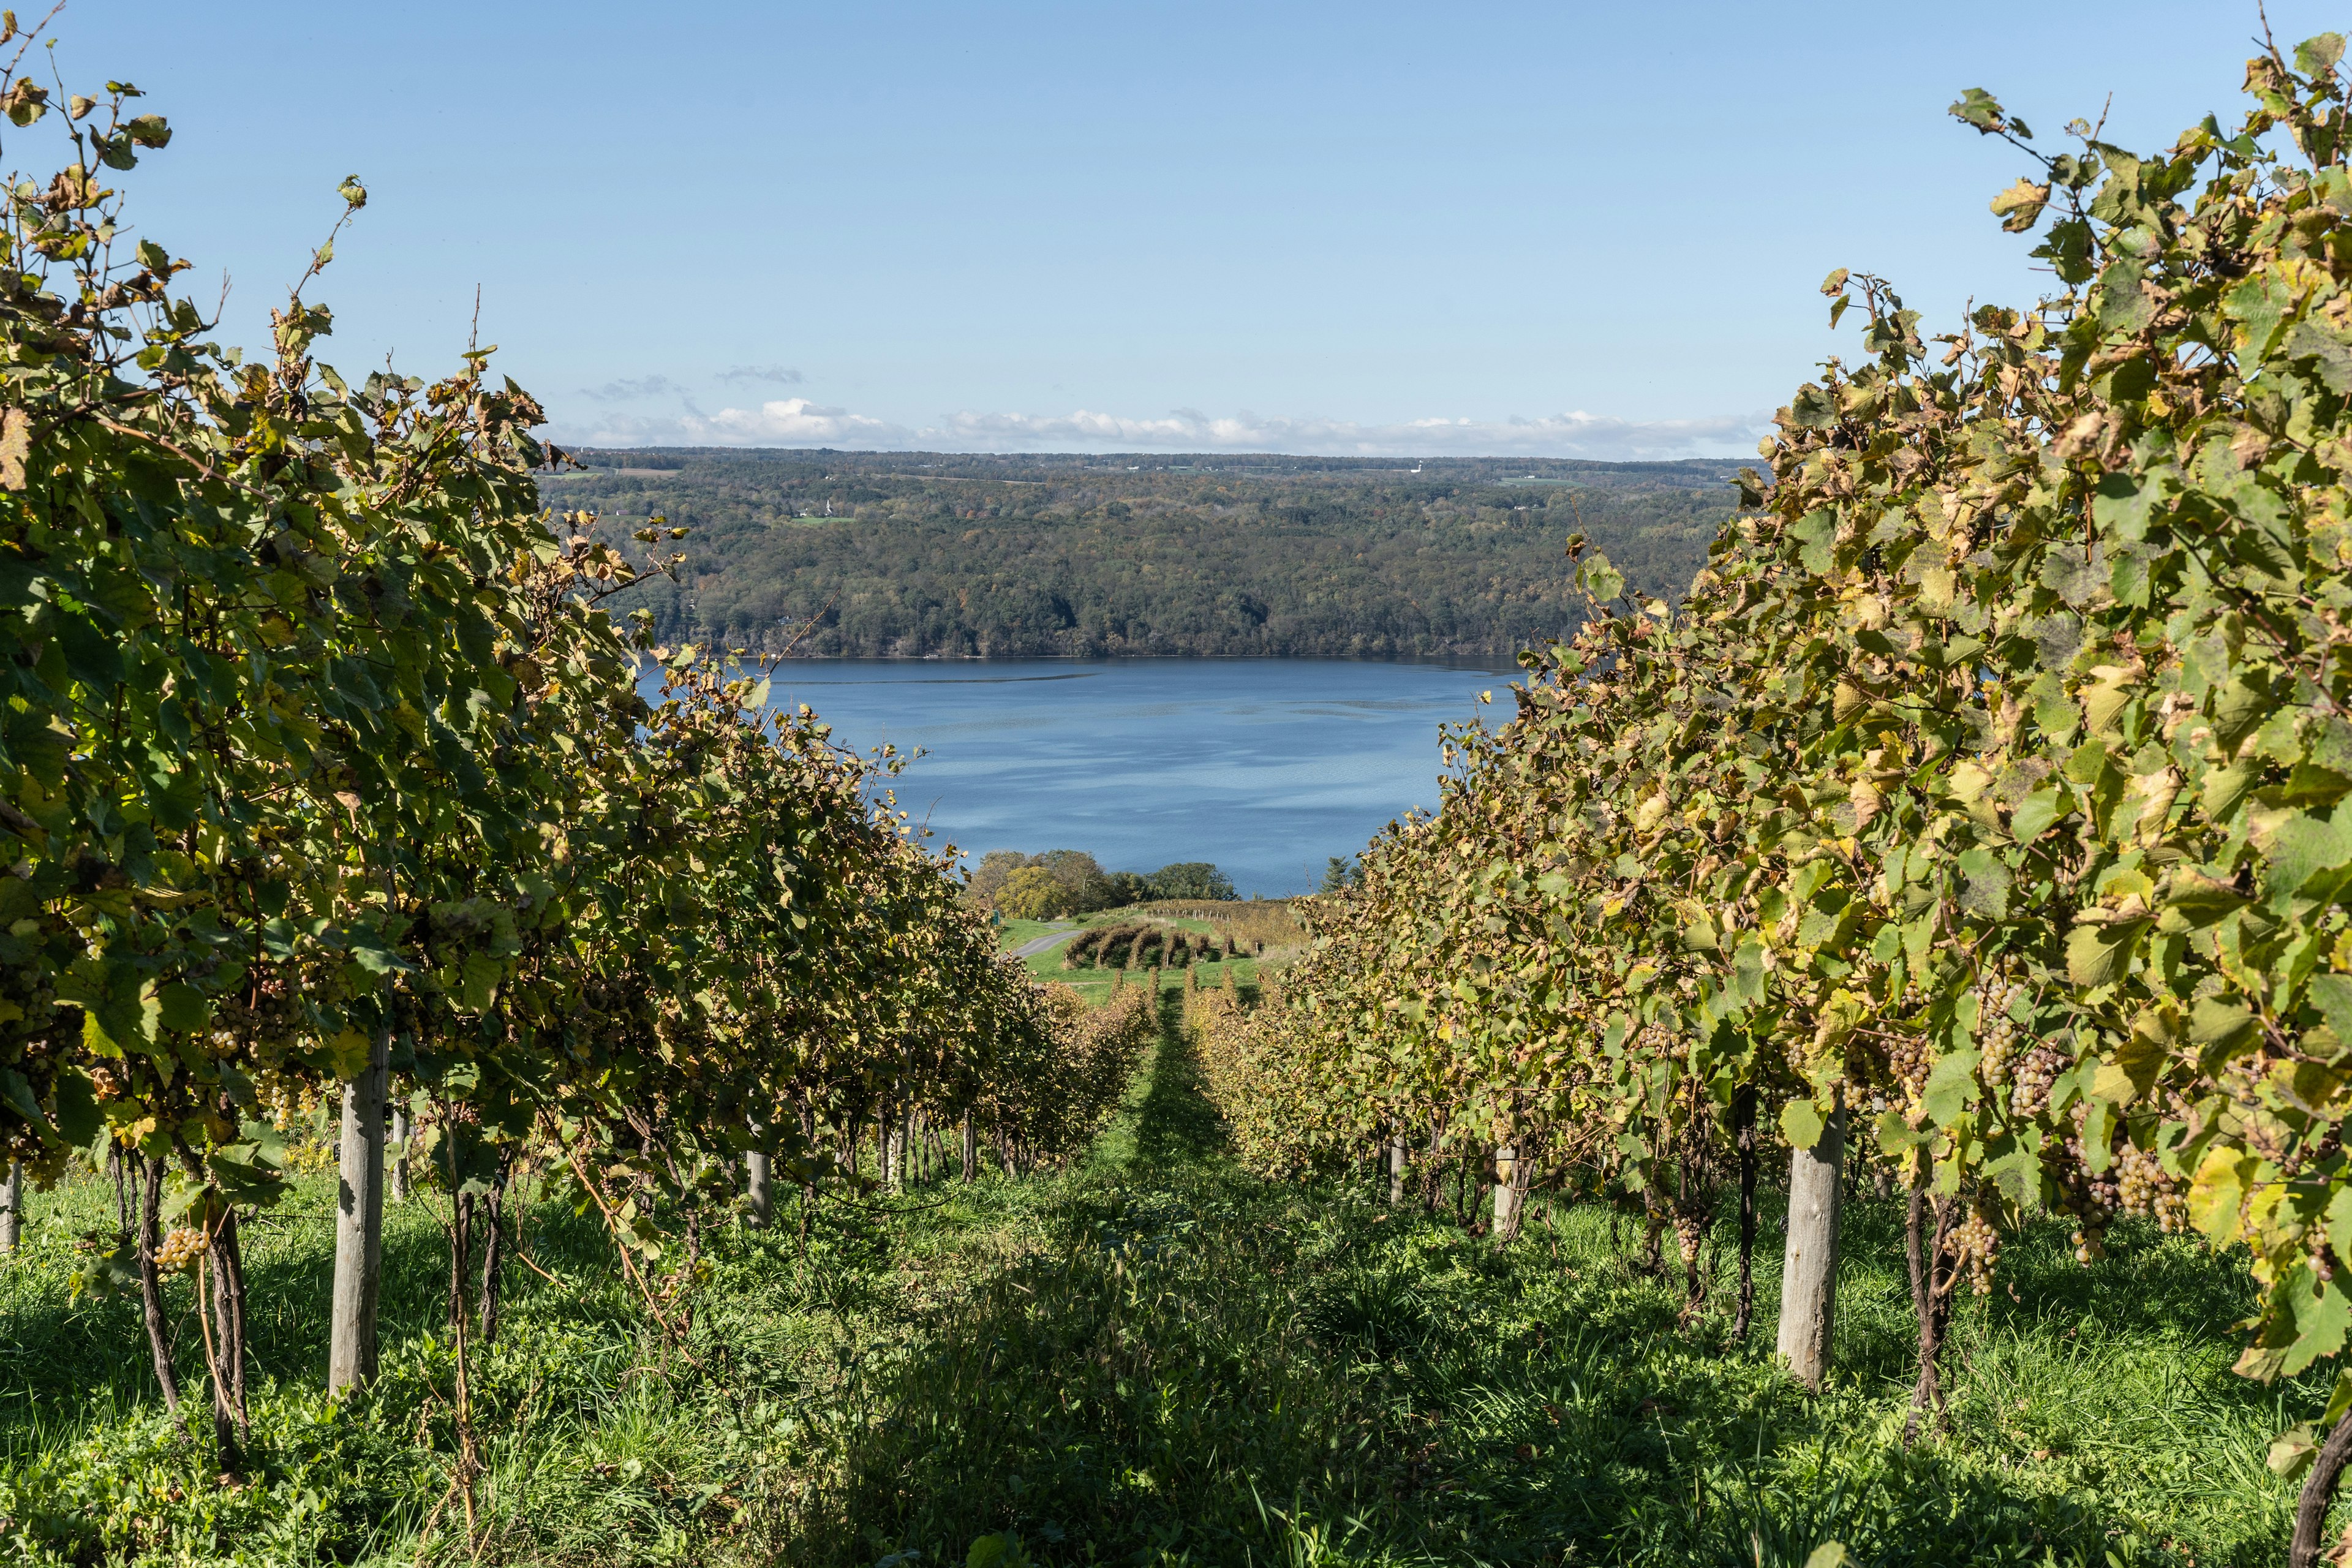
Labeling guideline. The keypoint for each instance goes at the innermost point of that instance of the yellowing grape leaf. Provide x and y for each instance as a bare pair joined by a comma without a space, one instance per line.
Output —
1801,1123
2217,1195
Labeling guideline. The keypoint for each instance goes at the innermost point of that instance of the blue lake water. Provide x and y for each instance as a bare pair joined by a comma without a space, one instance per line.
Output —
1267,768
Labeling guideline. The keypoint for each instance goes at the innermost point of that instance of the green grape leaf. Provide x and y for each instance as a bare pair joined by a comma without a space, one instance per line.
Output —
2101,954
1600,579
183,1007
1952,1087
77,1117
2299,846
2035,814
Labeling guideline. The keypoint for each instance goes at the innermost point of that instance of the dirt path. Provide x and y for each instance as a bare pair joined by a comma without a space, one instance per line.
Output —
1037,944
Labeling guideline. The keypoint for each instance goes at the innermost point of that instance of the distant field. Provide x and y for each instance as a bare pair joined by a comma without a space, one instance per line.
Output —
1249,919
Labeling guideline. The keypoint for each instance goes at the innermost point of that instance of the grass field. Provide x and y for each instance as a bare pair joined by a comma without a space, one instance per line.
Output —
1155,1359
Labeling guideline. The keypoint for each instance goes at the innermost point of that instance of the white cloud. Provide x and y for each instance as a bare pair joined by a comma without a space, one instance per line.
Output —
1553,435
798,422
786,422
781,375
631,387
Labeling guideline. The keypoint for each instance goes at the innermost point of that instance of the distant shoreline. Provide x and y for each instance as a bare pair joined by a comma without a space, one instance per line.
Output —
1440,661
834,555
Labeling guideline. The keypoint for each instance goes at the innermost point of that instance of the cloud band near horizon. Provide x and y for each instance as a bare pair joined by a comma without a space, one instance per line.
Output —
800,422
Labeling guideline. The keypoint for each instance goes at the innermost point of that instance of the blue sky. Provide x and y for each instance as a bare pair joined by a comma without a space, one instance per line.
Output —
1565,229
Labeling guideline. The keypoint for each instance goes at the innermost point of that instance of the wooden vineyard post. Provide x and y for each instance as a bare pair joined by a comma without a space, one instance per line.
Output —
12,1208
757,1189
358,1225
1743,1120
970,1149
1506,1193
1809,1273
1396,1169
399,1164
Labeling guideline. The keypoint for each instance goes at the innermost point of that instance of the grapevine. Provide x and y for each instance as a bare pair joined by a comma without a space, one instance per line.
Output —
1991,773
324,748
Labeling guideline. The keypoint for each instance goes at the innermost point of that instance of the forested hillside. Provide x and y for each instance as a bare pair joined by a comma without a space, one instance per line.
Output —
904,555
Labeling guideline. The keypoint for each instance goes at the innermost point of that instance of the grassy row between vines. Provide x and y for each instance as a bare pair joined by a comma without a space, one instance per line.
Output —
1153,1358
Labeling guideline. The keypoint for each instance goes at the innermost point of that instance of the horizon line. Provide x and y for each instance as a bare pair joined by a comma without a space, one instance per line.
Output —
1162,458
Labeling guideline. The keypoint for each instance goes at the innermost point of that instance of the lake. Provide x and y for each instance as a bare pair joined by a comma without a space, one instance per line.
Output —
1267,768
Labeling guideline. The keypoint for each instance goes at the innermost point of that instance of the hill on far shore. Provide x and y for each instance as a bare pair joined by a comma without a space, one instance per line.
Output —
936,554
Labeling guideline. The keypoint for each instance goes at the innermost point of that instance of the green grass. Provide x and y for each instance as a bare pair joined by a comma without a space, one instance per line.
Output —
1153,1358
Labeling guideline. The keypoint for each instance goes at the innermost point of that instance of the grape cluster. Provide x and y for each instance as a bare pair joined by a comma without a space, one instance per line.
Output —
1907,1061
1690,1235
2088,1192
2090,1199
1999,1029
2033,1074
179,1249
1977,1244
2142,1187
282,1097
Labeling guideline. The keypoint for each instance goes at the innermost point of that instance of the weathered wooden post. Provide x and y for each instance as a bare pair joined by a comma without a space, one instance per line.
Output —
1743,1121
1507,1192
12,1208
1396,1168
1809,1272
400,1161
757,1187
358,1225
970,1149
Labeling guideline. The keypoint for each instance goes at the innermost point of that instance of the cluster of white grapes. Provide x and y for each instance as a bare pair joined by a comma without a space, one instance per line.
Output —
180,1248
1977,1244
2142,1187
282,1097
2092,1197
1690,1235
2033,1074
1999,1029
1907,1061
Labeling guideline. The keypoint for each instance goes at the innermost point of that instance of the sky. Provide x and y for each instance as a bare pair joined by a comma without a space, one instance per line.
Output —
1566,230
